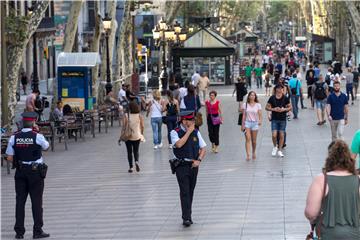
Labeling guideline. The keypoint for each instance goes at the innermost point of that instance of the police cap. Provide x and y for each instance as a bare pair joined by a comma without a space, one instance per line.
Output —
29,116
187,115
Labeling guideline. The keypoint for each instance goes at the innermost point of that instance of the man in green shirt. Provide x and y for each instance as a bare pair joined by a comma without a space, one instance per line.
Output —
258,75
248,73
355,146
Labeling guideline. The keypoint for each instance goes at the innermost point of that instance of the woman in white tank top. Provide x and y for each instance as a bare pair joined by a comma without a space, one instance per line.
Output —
155,108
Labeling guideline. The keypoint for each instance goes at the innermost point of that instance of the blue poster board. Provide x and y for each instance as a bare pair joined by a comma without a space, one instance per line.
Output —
75,83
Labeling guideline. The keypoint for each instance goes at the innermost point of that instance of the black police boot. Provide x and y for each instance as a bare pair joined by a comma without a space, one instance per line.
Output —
19,236
42,234
186,223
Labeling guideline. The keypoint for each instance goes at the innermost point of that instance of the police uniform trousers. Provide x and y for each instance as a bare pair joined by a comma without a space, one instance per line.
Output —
28,182
186,177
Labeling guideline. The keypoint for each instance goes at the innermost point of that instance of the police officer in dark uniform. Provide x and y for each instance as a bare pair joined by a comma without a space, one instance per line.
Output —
189,150
25,149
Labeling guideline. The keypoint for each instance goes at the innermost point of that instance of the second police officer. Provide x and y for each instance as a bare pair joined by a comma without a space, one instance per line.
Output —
24,148
189,150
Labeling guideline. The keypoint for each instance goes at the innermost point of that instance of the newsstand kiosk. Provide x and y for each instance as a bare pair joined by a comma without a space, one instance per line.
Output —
74,77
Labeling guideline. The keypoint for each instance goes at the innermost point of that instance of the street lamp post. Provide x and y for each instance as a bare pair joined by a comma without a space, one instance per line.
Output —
107,27
163,33
35,77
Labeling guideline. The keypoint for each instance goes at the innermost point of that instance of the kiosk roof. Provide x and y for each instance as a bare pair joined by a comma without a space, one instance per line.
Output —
87,59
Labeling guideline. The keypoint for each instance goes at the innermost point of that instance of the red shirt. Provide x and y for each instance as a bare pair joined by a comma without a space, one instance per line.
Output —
212,108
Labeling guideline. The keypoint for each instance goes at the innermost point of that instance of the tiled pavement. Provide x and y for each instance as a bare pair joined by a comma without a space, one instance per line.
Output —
89,194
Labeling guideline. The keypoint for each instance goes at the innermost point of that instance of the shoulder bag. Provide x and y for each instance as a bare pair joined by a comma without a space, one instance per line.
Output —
241,115
126,131
198,116
315,233
216,120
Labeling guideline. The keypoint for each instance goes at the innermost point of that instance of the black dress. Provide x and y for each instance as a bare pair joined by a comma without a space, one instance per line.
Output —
240,91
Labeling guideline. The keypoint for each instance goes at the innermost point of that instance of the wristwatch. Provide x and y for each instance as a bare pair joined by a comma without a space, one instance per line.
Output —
199,159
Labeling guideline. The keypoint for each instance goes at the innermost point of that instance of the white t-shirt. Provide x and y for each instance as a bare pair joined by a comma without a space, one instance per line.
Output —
195,79
266,59
122,95
183,92
252,112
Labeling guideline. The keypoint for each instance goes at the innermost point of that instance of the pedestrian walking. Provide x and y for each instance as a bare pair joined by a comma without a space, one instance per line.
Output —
320,92
295,86
258,72
337,112
195,78
248,74
279,105
349,77
25,150
202,86
310,80
299,76
24,81
333,198
155,109
241,91
267,84
189,151
191,102
252,119
356,77
172,109
214,119
136,124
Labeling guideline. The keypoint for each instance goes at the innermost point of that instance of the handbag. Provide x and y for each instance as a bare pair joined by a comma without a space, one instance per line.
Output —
215,120
164,119
198,116
315,232
240,118
126,131
241,115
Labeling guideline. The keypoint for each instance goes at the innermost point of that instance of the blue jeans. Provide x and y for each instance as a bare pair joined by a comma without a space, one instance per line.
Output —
171,125
156,127
295,103
248,79
349,91
258,81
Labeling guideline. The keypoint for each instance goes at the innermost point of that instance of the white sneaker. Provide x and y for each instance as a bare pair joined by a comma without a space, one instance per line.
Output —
280,154
156,147
160,145
274,151
170,146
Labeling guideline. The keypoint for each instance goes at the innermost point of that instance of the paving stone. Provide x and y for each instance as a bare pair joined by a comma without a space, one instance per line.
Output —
90,195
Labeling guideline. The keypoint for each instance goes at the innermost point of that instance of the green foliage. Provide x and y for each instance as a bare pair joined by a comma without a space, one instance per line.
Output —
16,28
280,10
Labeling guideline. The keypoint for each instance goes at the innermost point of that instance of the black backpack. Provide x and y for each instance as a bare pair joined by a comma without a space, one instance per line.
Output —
320,93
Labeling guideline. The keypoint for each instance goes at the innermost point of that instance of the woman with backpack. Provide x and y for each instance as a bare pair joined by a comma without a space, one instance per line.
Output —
172,109
320,91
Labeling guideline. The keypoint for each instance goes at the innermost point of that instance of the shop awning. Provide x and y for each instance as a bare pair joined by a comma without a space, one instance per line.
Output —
82,59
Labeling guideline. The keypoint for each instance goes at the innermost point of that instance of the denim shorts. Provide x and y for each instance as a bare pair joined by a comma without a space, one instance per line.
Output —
278,125
253,126
320,104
